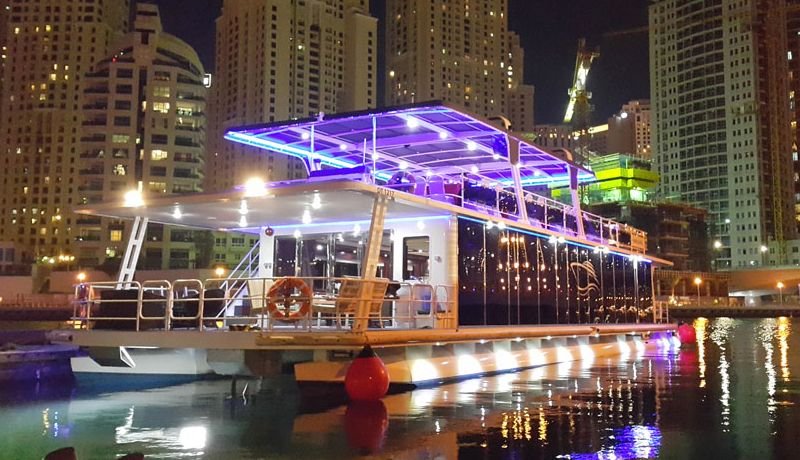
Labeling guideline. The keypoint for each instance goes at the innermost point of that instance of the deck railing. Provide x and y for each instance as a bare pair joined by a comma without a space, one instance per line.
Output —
309,304
543,212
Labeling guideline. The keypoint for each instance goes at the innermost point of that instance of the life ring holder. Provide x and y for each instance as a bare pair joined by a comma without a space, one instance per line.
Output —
281,293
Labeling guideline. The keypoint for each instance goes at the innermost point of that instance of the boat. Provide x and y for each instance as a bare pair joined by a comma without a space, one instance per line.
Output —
421,230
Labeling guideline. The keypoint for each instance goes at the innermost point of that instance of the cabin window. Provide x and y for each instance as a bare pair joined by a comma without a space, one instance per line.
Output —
509,277
416,258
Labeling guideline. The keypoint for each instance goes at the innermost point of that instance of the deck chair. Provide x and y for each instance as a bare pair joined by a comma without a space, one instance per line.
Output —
350,295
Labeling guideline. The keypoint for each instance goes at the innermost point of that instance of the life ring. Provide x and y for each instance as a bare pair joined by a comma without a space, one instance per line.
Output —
282,293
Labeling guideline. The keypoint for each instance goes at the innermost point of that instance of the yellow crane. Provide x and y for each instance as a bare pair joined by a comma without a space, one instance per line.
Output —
578,108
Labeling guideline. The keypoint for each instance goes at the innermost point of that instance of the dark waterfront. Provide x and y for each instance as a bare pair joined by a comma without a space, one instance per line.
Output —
733,396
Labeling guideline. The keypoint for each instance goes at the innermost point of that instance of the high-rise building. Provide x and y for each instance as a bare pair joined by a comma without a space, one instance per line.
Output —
721,139
629,130
143,129
461,53
277,60
48,46
793,43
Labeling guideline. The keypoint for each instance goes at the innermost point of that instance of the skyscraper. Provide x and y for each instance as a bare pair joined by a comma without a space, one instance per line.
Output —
143,129
277,60
459,52
49,46
793,43
720,128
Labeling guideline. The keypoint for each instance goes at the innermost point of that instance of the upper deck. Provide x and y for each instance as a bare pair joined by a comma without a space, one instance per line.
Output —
433,159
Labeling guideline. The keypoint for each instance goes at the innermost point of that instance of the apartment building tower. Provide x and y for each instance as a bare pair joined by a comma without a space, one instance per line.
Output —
47,48
278,60
144,130
720,131
459,52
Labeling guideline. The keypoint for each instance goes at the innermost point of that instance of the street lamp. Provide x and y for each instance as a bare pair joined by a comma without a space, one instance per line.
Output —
81,277
780,290
697,282
219,272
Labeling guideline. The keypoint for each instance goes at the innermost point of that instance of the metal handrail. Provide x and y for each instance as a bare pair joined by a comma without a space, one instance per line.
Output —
334,309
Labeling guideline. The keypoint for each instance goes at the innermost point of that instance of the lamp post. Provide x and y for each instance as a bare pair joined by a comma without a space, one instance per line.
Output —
697,282
780,291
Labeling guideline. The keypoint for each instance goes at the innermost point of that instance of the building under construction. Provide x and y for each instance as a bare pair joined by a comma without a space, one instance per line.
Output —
720,130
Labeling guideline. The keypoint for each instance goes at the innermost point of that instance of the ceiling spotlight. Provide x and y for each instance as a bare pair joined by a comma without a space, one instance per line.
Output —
471,145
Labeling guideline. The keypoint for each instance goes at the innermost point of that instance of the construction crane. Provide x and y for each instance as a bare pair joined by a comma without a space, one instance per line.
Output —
579,109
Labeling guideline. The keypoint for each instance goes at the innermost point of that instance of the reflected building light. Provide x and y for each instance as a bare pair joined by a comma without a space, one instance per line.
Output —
700,332
542,429
784,330
766,333
193,437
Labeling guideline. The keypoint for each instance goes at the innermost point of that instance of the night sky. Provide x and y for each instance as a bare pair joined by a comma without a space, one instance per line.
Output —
549,30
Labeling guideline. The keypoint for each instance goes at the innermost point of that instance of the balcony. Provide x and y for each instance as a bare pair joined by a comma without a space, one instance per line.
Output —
94,138
93,154
96,122
97,90
188,128
186,159
185,174
89,237
96,106
94,170
186,142
88,221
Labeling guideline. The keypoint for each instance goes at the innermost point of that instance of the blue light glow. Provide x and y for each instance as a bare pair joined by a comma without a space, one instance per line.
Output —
303,154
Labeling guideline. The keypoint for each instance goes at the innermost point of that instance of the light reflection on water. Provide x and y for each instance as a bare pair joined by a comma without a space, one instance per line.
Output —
731,396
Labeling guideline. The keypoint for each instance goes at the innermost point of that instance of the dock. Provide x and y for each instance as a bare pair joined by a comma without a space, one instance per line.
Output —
714,311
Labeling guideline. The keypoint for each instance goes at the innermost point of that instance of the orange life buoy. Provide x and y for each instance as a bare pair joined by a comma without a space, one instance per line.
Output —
283,293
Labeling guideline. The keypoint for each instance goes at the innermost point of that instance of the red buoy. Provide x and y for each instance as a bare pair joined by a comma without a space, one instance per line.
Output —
365,424
367,378
686,334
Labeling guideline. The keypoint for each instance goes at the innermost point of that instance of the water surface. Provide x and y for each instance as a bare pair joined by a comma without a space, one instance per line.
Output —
732,396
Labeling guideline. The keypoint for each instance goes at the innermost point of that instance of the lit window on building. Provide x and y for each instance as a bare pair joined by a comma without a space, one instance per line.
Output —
158,155
162,107
115,235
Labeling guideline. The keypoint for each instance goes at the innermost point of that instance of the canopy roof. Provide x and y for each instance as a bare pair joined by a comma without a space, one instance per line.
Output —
426,139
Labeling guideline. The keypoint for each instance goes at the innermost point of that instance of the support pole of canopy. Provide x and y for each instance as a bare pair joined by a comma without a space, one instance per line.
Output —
135,241
374,146
313,164
513,159
576,200
369,265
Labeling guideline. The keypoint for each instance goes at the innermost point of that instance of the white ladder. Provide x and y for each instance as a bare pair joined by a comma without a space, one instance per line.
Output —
128,267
